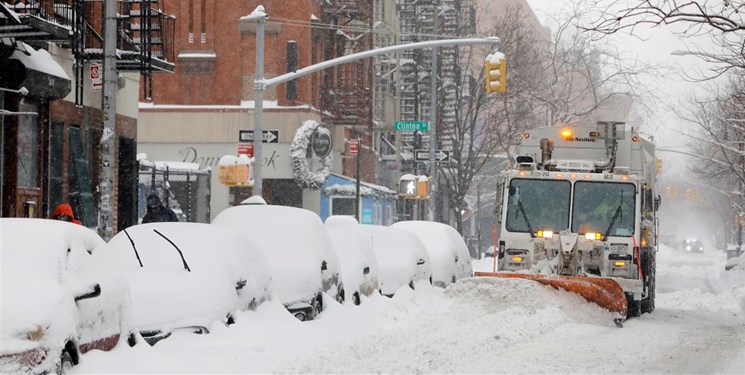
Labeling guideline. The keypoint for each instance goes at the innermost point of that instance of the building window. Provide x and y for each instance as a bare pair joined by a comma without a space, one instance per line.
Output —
342,206
378,213
191,21
203,38
388,215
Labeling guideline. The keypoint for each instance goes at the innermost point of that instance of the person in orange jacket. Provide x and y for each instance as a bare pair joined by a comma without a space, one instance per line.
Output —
64,212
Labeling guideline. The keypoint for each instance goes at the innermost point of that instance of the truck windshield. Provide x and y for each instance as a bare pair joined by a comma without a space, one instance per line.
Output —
538,204
602,207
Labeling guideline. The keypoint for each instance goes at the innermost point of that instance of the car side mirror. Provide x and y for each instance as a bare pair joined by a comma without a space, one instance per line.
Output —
324,266
366,270
420,262
91,294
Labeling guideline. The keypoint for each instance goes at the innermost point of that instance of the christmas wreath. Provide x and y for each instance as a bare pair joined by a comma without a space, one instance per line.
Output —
301,154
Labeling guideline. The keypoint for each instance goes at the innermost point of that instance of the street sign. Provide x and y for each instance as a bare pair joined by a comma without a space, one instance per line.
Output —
96,77
270,136
409,137
423,155
246,149
421,126
354,146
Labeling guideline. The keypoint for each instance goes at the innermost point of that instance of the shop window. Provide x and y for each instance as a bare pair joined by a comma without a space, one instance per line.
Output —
81,195
342,206
378,214
28,147
388,215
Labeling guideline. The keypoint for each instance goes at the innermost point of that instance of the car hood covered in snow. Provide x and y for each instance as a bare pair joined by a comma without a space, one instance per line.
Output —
294,242
449,254
165,294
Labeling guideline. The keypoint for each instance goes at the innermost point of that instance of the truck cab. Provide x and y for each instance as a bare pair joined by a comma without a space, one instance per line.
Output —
581,201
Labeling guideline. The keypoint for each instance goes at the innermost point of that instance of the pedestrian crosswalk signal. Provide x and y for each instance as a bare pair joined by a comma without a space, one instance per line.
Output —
496,75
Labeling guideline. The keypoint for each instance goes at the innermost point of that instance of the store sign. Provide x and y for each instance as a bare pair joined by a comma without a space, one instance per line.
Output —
320,141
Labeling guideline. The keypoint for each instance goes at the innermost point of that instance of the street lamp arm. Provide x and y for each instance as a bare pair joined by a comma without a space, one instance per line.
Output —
375,52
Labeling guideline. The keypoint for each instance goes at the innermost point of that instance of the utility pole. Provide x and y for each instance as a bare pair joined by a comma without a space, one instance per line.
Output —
357,173
433,183
259,16
108,135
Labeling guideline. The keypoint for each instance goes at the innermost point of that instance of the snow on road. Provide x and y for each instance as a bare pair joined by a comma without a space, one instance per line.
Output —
477,325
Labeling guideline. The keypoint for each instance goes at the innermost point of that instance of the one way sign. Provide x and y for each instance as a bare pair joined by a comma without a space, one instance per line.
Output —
270,136
440,155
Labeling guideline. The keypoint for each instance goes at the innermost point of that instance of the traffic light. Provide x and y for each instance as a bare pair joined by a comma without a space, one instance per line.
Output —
496,75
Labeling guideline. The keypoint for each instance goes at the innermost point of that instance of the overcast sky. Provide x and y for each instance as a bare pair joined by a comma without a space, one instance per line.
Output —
656,48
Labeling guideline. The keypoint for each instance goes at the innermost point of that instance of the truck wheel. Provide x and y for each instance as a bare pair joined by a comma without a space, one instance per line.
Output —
650,268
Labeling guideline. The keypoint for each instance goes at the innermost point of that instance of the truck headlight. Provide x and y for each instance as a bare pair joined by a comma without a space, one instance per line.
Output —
545,233
593,236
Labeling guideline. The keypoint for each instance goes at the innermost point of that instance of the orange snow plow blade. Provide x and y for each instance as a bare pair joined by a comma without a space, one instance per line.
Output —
602,291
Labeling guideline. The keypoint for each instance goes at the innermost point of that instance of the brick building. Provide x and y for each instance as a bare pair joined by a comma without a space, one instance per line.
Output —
196,114
52,118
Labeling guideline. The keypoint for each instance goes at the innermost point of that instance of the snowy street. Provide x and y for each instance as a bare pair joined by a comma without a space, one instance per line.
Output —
475,326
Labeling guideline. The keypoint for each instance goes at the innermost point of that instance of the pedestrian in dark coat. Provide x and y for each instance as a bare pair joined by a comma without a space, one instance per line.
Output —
156,212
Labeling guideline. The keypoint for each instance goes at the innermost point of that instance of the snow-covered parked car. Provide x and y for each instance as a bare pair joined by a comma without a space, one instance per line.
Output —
359,267
187,276
402,258
302,260
62,296
449,254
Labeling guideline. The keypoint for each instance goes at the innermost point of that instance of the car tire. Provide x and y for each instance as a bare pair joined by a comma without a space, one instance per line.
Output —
340,297
65,363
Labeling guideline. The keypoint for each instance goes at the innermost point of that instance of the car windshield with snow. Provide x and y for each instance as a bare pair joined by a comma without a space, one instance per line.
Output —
187,276
302,260
448,252
359,266
62,295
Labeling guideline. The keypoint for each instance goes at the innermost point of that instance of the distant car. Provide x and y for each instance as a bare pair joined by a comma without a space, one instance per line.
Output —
402,258
359,267
302,260
187,276
449,254
62,296
693,246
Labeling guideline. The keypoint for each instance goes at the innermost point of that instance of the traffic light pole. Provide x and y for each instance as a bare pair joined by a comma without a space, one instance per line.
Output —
261,83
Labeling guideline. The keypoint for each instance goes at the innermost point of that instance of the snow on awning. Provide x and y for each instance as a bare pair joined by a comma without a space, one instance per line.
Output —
38,72
9,14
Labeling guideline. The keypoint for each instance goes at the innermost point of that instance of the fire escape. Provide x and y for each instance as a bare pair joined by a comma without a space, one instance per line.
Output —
349,86
144,43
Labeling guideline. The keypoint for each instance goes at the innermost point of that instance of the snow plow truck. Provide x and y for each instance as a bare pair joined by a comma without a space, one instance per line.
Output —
578,212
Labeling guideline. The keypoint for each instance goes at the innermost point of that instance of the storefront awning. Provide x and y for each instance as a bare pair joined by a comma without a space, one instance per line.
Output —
37,71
